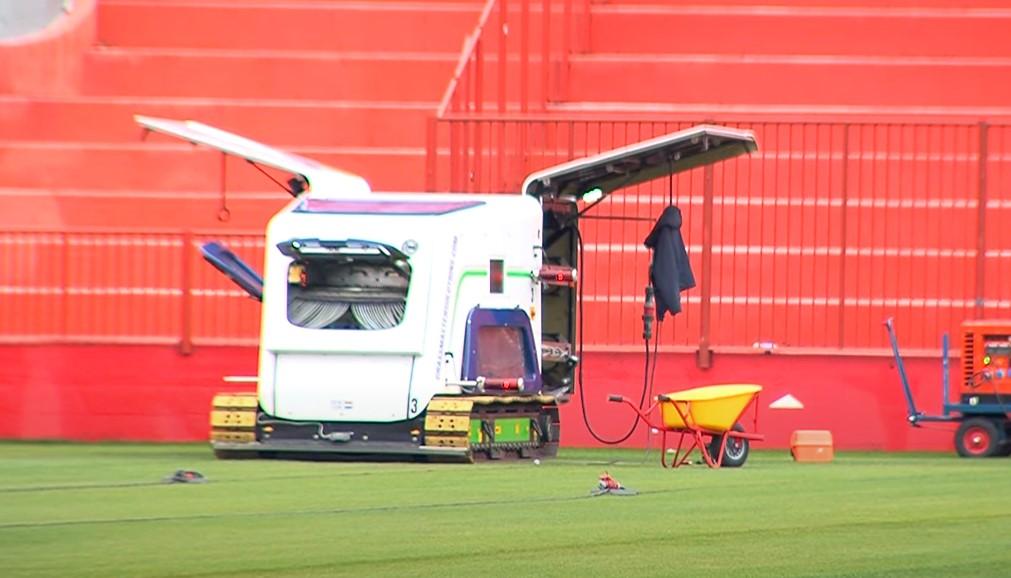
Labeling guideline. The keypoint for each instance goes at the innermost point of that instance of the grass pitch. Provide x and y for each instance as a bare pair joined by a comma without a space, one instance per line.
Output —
100,510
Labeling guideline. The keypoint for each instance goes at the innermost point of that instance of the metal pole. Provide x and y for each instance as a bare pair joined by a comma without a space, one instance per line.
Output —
704,359
981,200
186,306
842,238
431,153
478,109
65,285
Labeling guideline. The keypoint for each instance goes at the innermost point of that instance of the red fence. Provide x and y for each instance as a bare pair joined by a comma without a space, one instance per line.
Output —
808,244
123,287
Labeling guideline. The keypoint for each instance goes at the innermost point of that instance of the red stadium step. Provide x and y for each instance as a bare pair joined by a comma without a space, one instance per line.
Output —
279,123
798,30
155,166
333,26
763,80
268,74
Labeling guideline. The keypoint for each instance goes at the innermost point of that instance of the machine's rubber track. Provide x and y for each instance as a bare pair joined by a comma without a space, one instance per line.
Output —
494,427
456,428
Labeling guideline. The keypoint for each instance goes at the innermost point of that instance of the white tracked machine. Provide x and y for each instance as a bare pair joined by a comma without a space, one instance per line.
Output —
437,325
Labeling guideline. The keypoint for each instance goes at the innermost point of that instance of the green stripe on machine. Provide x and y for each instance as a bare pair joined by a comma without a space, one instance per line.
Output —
476,435
512,430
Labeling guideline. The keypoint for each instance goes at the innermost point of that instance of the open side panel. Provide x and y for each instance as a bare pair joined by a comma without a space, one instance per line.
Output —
623,167
591,179
321,178
234,268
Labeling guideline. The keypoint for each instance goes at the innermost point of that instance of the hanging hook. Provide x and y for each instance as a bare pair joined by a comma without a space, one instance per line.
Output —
223,213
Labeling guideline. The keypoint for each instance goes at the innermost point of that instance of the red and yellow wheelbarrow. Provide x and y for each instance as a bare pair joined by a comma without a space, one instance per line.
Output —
712,412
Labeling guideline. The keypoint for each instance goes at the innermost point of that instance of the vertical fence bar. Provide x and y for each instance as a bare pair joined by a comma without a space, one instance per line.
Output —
186,306
431,153
478,95
704,357
500,165
478,174
843,231
522,155
478,109
503,17
981,200
454,144
64,285
465,150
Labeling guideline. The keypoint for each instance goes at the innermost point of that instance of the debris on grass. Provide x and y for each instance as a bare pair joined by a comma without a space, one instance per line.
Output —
185,477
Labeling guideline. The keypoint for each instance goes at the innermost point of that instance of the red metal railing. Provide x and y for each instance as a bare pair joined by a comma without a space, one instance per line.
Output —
122,286
516,60
806,245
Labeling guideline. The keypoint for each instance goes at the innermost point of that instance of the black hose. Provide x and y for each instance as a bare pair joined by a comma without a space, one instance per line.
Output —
646,380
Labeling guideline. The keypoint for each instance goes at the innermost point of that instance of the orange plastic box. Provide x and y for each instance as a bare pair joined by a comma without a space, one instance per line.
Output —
812,446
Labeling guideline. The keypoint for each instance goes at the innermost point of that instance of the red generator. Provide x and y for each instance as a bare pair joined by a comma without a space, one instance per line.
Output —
982,404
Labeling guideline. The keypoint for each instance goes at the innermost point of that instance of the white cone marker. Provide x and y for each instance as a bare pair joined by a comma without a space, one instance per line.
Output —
786,402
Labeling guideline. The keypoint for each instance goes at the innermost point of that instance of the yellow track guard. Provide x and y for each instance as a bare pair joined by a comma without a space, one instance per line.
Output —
233,418
447,423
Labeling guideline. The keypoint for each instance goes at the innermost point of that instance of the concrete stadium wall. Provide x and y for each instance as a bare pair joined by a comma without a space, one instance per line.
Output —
48,61
18,17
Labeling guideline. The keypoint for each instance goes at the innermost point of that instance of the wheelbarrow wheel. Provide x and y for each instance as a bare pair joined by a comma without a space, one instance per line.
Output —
736,452
977,437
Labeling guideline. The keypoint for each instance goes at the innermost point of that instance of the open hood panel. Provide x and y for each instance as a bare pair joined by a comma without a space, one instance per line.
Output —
323,179
641,162
234,268
352,248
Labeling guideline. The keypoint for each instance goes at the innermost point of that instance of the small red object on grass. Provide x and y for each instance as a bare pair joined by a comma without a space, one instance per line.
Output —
606,484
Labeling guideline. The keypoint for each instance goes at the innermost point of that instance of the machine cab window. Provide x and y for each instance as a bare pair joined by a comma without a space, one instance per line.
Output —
349,284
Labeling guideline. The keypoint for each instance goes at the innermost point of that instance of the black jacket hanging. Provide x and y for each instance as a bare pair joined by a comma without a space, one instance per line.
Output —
671,272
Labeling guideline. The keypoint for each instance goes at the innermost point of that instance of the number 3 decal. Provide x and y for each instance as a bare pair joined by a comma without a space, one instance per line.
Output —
414,405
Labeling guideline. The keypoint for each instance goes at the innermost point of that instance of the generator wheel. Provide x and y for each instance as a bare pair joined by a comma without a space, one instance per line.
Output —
977,437
736,452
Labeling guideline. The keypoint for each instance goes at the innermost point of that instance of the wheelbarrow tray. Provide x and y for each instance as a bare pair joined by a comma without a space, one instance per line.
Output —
714,408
